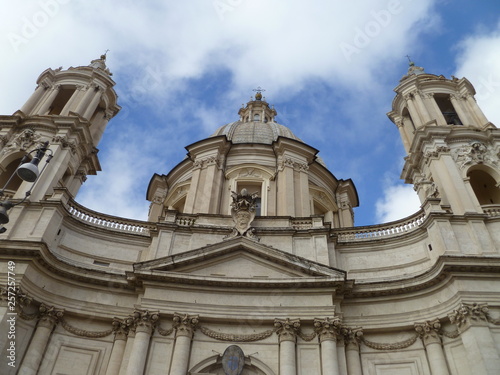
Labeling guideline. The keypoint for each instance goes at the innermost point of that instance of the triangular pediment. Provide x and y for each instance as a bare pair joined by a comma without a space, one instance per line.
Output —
239,260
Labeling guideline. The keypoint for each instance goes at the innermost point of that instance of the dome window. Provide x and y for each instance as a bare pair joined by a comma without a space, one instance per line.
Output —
256,117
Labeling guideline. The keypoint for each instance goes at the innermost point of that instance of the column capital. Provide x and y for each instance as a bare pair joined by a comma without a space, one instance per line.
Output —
49,316
469,314
352,337
120,328
185,324
327,328
144,320
429,331
287,329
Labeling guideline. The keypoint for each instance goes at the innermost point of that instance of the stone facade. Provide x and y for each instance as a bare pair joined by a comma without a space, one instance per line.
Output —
250,242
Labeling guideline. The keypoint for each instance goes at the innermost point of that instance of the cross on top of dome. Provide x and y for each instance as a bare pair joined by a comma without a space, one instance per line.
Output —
258,95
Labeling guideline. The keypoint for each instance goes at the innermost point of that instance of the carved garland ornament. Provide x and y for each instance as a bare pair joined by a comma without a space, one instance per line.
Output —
395,346
237,338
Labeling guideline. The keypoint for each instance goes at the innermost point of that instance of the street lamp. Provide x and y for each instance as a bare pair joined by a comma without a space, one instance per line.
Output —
28,171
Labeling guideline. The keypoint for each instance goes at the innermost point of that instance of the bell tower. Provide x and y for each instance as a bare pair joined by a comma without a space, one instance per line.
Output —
69,109
452,149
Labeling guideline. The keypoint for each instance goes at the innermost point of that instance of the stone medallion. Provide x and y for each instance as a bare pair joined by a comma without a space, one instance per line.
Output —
233,360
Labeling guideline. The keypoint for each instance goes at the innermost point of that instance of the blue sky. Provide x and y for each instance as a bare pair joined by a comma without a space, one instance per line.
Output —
184,68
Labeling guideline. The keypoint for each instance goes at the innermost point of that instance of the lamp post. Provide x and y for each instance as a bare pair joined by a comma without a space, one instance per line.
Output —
28,171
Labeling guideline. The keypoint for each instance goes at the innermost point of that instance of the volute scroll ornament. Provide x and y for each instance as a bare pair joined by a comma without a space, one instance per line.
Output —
467,314
243,210
327,328
287,329
429,331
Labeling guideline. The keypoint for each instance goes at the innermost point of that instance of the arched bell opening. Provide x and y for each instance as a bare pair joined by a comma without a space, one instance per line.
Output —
485,186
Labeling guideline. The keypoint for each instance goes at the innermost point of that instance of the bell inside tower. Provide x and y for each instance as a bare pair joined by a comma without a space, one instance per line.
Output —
62,98
446,106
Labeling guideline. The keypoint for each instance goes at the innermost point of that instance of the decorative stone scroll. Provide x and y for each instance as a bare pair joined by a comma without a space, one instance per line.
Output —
287,329
145,321
429,331
352,336
49,315
243,212
185,325
469,313
327,328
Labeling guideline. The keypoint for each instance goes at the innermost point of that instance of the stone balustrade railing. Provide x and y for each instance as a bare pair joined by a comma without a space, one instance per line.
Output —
107,221
491,209
373,232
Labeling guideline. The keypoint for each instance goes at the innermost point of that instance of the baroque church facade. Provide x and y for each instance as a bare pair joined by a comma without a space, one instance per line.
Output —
250,262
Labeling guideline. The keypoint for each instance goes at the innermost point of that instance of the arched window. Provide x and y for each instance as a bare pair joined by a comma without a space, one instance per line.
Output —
256,117
15,182
485,187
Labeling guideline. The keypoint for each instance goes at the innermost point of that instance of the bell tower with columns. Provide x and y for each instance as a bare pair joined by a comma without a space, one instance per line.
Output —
69,109
453,151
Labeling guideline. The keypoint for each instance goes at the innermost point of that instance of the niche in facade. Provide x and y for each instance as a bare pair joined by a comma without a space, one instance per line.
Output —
407,120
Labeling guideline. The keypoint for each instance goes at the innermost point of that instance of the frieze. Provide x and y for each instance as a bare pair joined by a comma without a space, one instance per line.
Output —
474,153
22,142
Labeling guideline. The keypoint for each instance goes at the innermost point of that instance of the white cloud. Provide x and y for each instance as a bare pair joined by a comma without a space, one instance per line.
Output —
278,44
399,201
478,61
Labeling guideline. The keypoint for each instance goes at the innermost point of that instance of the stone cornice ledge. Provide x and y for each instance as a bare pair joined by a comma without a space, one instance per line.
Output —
446,266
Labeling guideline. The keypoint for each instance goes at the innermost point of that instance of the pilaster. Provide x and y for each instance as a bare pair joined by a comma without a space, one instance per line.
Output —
472,323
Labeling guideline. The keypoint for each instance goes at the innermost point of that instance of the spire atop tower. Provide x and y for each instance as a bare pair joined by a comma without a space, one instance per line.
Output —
100,63
413,69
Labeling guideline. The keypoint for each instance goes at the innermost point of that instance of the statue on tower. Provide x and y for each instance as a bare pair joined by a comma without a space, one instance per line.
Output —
243,210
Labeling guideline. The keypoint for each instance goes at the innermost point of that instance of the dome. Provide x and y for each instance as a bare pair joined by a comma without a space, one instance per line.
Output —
254,132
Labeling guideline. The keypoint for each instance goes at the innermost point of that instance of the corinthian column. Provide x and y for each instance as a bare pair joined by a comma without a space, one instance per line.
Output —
472,323
144,326
287,332
115,360
352,337
49,317
429,333
184,325
327,330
